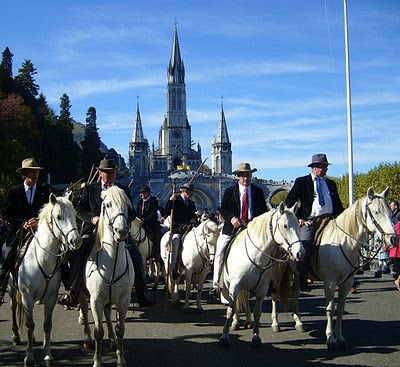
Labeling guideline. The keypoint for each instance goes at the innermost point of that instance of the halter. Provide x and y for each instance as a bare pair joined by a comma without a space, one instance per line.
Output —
111,221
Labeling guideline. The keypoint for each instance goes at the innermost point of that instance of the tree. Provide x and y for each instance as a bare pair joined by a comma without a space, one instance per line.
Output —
24,83
6,75
91,153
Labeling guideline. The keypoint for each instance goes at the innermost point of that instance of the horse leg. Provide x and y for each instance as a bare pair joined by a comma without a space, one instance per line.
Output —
83,320
188,286
230,311
120,331
200,285
248,323
274,313
47,327
157,266
111,334
13,304
296,311
343,291
97,311
256,340
330,310
30,326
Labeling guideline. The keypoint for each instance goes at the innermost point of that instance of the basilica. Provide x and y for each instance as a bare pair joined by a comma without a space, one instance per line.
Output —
174,161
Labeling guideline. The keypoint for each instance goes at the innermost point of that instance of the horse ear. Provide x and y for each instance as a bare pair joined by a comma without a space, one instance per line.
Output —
281,208
69,196
385,192
370,193
53,198
294,208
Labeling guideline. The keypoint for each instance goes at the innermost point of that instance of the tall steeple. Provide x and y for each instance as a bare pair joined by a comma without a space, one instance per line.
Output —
138,149
176,68
221,148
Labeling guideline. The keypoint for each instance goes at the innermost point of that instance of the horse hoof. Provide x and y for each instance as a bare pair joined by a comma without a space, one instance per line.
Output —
248,325
300,328
29,363
343,344
49,362
256,341
81,320
234,326
332,346
223,341
88,345
16,340
276,328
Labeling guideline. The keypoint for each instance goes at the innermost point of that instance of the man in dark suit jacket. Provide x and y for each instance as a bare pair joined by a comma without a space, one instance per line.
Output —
240,204
88,210
147,212
184,214
21,210
318,196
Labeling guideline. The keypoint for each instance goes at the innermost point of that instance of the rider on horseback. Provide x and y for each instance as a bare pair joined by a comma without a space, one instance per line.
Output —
21,210
319,197
184,217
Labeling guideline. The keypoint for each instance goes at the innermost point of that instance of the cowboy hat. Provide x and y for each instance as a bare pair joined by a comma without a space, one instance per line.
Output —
187,186
244,167
144,188
28,163
106,164
318,159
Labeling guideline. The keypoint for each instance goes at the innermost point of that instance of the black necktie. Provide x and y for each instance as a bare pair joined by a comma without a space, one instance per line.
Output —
30,195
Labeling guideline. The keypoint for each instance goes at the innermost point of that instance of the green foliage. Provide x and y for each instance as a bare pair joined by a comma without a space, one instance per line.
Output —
6,76
386,174
278,198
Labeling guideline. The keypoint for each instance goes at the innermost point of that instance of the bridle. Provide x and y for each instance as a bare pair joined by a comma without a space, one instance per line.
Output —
111,221
205,254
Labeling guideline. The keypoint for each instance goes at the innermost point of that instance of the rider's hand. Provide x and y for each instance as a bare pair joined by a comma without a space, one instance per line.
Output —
31,224
173,197
95,220
236,222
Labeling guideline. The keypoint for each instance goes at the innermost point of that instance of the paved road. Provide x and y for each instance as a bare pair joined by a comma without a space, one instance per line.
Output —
165,336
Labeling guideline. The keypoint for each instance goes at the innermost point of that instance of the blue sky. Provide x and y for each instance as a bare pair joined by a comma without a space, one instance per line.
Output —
279,65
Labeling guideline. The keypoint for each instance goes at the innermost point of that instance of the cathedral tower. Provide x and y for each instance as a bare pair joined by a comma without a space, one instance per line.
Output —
221,148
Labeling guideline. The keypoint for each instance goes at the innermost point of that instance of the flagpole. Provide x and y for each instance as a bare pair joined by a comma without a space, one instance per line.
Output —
349,119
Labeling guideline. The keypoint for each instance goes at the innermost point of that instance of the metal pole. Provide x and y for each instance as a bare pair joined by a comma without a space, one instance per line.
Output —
349,120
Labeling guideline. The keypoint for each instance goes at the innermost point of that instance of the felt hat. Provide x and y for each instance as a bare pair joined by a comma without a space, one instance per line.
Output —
144,188
28,163
318,159
187,186
244,168
107,164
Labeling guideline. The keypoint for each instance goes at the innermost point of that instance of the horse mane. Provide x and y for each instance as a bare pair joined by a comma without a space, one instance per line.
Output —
47,209
119,198
259,224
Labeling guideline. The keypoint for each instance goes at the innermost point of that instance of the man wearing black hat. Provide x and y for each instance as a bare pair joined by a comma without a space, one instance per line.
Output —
147,212
88,210
240,204
21,210
184,213
318,196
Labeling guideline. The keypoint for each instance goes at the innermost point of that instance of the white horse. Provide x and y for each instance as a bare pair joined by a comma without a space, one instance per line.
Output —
109,270
39,274
145,246
197,249
252,258
338,257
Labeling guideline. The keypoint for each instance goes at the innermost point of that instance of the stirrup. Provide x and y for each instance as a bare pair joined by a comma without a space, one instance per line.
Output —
69,299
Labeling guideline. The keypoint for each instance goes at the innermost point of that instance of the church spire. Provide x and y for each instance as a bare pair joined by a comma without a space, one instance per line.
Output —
138,136
176,68
222,134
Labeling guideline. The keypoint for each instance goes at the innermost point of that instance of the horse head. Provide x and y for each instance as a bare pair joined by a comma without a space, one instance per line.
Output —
114,213
287,232
377,217
61,218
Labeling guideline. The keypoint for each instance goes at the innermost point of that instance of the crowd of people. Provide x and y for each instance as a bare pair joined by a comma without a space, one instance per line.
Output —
317,194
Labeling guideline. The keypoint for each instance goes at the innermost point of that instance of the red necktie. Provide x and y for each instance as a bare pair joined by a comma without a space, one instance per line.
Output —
143,207
107,186
245,206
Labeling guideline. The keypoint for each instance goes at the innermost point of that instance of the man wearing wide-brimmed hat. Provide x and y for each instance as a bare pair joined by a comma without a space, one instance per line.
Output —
318,197
147,212
88,211
184,214
21,210
240,204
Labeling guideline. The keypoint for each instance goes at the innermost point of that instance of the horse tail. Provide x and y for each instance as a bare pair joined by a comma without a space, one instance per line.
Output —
20,310
242,301
285,287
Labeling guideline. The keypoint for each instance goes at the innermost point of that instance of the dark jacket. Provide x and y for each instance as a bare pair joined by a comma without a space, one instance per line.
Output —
230,206
17,209
149,215
90,205
182,213
303,191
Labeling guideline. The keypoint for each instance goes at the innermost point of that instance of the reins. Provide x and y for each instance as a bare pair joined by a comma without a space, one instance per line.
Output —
205,256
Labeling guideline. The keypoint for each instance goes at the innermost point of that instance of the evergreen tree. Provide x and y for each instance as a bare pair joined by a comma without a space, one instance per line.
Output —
24,83
6,75
91,153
